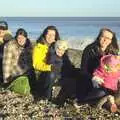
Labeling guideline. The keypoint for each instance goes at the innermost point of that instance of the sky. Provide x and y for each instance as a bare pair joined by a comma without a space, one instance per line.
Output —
58,8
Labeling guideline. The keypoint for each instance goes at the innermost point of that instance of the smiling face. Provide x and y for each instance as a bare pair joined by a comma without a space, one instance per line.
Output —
60,52
50,36
112,63
117,66
105,39
21,40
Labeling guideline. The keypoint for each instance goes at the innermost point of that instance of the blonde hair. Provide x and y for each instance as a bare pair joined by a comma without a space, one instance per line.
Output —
61,44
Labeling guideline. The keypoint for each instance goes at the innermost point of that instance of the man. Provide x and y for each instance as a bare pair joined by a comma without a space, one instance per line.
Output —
5,36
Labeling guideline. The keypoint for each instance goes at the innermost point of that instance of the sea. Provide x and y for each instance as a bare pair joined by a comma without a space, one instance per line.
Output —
78,31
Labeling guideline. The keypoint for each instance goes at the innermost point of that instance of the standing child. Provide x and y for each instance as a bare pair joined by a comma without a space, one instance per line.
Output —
56,59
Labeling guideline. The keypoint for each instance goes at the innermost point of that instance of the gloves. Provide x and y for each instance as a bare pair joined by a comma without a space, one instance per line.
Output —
98,80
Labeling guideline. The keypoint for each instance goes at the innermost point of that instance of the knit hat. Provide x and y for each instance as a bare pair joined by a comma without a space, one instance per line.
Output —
61,44
3,25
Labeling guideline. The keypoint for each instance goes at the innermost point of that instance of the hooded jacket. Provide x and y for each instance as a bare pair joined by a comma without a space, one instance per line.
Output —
39,57
105,72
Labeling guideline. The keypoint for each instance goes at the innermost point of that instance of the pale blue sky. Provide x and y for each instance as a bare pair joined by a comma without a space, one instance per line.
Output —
58,8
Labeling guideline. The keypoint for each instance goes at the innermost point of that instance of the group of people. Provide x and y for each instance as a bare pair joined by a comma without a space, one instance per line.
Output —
47,61
100,66
22,62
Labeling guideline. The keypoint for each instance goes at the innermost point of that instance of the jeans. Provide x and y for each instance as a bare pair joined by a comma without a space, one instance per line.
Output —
49,82
97,92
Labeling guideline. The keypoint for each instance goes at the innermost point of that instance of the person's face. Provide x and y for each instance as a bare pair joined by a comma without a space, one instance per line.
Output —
50,37
2,33
60,52
21,40
105,39
116,67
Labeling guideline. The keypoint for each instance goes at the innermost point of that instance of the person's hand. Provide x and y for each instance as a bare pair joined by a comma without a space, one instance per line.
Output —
98,80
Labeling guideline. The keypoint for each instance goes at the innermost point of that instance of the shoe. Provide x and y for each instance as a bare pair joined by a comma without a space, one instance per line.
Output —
76,105
113,108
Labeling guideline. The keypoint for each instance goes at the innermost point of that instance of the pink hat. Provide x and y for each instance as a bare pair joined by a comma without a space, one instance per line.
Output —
111,60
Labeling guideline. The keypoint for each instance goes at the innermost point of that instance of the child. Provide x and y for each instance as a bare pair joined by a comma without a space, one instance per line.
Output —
56,59
107,76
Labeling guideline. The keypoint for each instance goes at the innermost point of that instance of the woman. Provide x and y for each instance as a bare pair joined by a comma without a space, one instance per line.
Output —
17,60
41,51
106,43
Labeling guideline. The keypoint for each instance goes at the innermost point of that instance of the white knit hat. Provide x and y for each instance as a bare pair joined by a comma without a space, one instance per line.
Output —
61,44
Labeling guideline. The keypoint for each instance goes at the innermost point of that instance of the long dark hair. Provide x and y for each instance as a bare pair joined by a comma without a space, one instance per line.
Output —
113,46
21,31
43,35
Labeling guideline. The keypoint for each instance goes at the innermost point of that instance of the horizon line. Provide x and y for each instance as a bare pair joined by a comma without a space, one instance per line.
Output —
66,16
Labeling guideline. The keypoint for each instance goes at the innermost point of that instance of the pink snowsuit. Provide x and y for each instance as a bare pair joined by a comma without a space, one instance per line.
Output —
103,71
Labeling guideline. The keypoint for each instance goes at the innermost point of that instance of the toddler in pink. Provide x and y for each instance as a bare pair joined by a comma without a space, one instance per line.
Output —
107,75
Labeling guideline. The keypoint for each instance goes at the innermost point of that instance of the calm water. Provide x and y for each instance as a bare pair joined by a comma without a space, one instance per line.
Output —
79,31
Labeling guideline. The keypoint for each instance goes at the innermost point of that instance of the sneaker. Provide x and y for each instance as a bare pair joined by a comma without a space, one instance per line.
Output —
76,105
113,108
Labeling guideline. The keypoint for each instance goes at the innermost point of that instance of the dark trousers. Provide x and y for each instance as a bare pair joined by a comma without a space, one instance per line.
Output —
83,86
32,78
49,82
97,92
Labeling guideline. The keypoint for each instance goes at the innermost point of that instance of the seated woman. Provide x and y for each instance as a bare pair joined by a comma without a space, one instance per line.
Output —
17,61
107,76
105,43
45,44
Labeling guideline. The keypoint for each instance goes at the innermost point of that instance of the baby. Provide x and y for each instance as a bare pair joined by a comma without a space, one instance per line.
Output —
107,75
